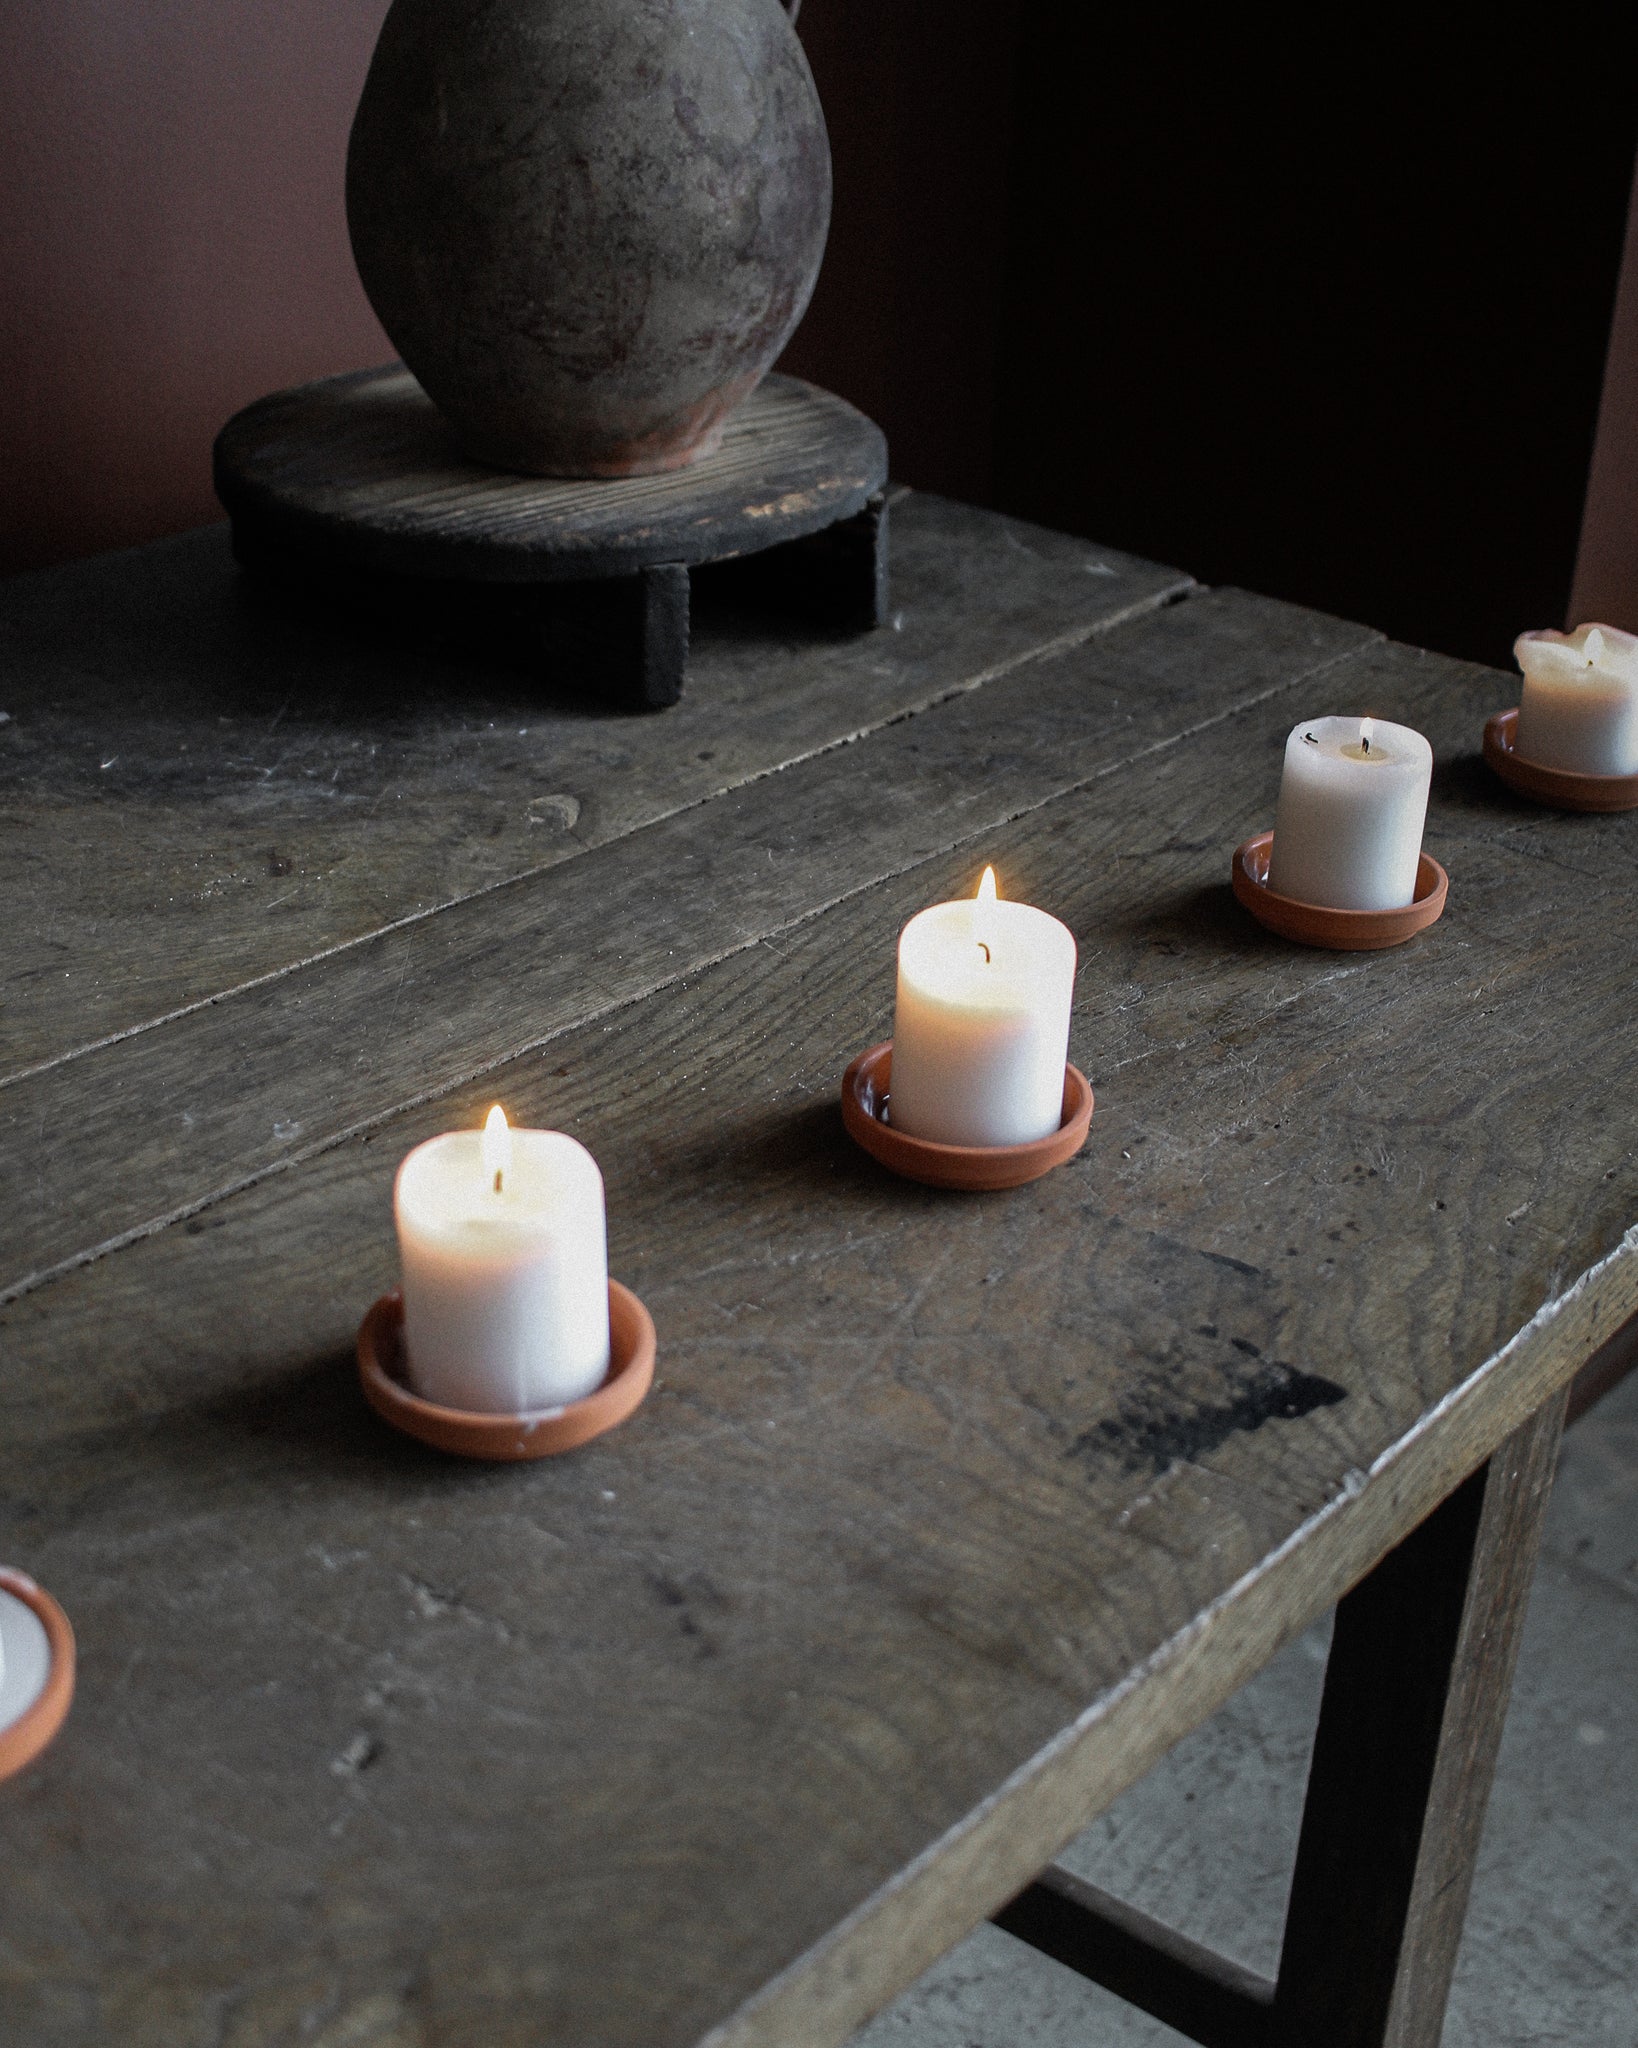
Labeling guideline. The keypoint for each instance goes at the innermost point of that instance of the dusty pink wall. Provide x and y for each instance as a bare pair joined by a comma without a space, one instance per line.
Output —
172,239
1606,569
172,244
907,317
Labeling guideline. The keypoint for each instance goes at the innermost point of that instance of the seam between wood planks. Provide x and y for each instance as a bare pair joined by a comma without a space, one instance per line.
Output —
1045,650
823,1995
30,1283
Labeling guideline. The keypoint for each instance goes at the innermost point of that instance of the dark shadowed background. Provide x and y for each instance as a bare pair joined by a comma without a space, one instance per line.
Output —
1319,309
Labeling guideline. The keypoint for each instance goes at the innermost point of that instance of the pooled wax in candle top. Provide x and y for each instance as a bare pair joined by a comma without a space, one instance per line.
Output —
1578,709
503,1245
1353,801
981,1022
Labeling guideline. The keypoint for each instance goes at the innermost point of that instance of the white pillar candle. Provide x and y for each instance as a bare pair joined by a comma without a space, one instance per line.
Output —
503,1245
1578,709
1353,801
25,1658
981,1024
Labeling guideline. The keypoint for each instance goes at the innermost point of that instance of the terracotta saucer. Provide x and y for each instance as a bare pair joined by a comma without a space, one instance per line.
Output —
540,1433
22,1741
1342,931
978,1168
1555,786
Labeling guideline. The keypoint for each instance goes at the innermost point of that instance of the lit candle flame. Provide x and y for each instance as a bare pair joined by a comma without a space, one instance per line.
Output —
496,1147
1593,648
983,921
1367,726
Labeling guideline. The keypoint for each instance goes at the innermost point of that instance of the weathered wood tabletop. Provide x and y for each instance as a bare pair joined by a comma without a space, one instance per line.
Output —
948,1514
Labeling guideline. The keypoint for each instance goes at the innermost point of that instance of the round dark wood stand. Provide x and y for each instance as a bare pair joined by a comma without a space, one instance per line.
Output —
357,484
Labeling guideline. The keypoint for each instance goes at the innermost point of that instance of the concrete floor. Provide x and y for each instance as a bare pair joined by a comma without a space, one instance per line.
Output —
1551,1949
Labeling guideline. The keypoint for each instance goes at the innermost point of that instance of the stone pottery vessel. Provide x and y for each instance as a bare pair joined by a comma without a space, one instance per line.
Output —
588,226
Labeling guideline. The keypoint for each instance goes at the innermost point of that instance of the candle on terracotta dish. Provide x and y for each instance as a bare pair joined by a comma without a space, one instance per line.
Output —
1353,801
1578,710
502,1240
981,1022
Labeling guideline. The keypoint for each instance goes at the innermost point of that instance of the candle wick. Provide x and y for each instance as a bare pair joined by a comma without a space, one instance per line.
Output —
1309,737
1364,743
985,951
498,1171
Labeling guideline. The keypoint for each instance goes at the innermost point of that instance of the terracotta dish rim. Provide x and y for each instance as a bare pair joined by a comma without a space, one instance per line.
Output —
1558,787
23,1740
508,1438
973,1168
1339,931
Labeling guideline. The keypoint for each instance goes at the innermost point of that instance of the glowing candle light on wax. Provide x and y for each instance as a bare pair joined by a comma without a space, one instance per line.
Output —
981,1022
502,1239
1578,710
1353,802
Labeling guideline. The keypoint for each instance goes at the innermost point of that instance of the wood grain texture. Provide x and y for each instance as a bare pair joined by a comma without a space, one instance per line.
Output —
946,1517
1604,1371
363,470
199,788
154,1124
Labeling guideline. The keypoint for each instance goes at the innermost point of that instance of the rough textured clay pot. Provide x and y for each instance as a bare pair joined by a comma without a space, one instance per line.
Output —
588,226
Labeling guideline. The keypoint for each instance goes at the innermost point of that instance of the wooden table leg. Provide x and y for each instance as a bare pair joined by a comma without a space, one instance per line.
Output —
1415,1696
1150,1965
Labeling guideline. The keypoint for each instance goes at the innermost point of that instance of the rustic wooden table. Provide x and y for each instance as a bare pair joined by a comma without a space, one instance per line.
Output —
948,1514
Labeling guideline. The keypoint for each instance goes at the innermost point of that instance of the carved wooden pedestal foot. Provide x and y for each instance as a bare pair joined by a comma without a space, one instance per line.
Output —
356,486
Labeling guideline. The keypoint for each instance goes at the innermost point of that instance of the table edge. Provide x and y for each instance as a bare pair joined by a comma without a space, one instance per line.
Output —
971,1870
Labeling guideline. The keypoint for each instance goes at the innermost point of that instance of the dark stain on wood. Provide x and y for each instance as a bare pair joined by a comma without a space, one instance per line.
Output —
1148,1431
